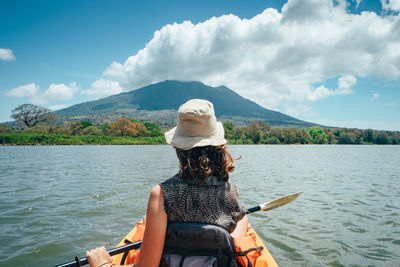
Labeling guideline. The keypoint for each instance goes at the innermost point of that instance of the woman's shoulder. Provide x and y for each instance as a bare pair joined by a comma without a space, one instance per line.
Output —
173,179
210,181
156,191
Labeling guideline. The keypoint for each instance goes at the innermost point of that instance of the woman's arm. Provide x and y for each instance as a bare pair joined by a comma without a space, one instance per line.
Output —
153,240
156,226
241,227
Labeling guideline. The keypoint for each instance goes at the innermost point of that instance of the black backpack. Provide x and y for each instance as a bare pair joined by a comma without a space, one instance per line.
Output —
198,244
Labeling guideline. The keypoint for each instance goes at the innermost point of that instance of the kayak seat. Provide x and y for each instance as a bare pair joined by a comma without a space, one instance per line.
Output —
197,244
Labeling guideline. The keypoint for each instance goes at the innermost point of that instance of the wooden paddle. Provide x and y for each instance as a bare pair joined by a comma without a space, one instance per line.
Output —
261,207
274,203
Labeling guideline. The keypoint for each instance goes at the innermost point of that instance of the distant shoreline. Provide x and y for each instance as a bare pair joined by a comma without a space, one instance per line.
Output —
37,139
33,139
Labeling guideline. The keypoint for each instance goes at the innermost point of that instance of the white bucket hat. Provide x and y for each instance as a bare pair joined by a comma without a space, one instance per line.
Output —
197,126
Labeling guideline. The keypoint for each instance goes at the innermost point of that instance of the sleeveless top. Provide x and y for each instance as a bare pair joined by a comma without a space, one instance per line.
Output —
213,202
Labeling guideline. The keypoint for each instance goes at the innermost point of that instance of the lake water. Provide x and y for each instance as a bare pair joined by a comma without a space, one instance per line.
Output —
58,201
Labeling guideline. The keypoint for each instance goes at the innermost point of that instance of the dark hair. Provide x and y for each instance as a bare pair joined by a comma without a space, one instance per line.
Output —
201,162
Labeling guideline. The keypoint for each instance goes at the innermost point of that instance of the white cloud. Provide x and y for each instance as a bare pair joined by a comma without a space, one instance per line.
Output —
28,90
374,96
344,87
345,83
391,5
102,88
319,93
60,91
6,54
274,58
55,92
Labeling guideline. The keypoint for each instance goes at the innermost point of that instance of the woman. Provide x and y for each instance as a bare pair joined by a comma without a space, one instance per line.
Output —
200,192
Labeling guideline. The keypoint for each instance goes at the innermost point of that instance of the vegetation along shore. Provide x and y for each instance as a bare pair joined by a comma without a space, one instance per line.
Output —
133,132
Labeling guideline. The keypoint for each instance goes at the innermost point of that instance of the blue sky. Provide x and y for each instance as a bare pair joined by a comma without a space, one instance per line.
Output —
335,63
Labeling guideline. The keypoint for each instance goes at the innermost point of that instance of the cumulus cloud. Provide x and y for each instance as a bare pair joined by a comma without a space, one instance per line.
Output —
391,5
60,91
55,92
102,88
6,54
345,83
28,90
344,87
274,58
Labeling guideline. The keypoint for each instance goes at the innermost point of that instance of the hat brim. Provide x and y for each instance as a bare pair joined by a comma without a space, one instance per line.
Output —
176,139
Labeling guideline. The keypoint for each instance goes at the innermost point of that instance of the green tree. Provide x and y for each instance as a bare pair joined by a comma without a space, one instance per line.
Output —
331,138
228,125
304,136
153,129
81,128
104,128
318,135
43,129
75,128
395,138
228,128
253,132
59,130
5,129
382,138
265,127
237,134
345,139
91,130
290,135
369,136
278,133
86,124
358,136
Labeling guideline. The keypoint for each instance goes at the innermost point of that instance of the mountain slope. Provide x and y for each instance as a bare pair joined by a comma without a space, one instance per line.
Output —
159,102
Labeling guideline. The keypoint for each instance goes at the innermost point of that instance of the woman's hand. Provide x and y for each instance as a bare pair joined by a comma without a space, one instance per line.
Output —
98,257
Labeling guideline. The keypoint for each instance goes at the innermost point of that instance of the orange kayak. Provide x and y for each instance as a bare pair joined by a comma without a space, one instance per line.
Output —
136,234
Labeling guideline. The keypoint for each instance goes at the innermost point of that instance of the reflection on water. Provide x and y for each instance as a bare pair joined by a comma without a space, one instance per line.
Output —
58,201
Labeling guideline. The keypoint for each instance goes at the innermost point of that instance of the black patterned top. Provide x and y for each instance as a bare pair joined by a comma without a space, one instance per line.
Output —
214,201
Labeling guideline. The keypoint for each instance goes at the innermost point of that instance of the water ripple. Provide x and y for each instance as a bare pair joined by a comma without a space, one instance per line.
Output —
58,201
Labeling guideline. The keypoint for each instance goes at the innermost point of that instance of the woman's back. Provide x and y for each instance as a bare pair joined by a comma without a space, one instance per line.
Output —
213,201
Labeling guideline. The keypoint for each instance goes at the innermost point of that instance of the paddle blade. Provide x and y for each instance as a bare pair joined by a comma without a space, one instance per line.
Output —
279,202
